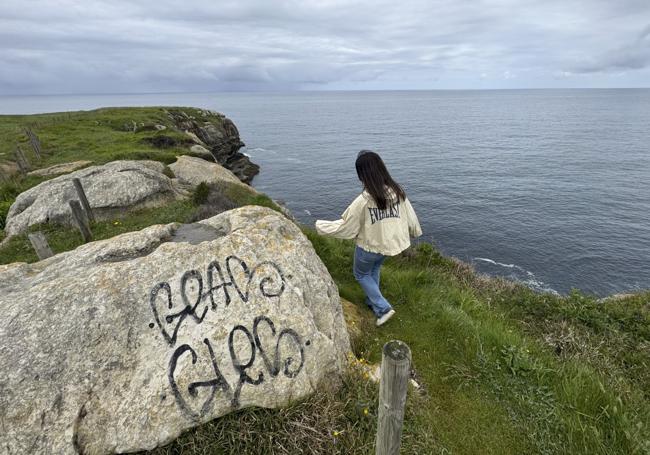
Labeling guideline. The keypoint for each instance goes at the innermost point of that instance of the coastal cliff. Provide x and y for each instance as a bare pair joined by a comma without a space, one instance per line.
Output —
498,366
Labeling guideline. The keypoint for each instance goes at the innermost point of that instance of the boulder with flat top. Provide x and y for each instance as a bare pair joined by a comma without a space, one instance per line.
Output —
110,189
195,170
123,344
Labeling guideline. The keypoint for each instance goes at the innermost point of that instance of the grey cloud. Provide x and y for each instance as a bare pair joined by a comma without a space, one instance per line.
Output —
633,56
125,46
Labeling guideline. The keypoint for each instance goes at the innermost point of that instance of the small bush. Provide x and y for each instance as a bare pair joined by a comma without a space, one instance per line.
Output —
163,141
201,193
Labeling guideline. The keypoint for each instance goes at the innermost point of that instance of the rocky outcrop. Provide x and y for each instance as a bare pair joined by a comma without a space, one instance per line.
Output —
110,189
63,168
122,344
220,135
196,170
201,152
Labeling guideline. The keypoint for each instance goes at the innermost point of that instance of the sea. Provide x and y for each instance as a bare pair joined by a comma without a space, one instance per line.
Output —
547,187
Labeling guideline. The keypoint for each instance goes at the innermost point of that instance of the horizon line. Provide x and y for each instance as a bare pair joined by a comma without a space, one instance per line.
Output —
317,91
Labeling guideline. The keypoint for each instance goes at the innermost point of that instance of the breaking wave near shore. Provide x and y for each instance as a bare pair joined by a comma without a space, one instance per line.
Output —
512,272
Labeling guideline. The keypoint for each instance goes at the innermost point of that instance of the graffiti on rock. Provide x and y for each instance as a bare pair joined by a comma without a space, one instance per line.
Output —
284,355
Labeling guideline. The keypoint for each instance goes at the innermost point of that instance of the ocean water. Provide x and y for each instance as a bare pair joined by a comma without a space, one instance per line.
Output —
548,187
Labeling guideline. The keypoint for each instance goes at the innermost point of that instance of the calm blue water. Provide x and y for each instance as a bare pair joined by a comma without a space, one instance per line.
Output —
549,187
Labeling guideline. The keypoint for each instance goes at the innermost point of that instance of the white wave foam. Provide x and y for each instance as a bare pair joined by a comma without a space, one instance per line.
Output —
501,264
531,281
307,212
246,154
259,149
539,286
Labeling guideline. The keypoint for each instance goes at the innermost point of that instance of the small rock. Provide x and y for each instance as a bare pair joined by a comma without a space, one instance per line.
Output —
195,139
63,168
202,152
9,169
196,170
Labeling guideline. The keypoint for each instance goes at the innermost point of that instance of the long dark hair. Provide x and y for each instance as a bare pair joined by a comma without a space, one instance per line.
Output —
375,178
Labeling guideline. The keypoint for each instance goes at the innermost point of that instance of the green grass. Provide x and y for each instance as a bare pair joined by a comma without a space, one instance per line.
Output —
101,135
495,380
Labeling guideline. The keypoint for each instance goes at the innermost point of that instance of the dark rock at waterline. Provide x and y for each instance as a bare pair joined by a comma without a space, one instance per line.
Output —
221,137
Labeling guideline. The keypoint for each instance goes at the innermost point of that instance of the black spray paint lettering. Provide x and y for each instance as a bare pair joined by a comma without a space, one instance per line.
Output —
169,318
288,366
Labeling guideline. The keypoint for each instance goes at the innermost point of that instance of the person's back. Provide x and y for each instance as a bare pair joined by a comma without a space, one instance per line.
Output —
381,220
386,231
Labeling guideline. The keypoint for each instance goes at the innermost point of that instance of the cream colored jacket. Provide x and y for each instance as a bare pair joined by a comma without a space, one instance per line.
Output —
386,232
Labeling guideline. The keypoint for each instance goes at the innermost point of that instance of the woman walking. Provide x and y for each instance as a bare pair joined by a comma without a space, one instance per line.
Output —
381,220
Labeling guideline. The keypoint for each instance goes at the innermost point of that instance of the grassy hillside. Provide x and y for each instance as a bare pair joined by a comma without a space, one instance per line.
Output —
99,136
504,370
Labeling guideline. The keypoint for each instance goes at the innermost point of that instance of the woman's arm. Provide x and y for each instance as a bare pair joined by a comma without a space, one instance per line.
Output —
412,218
348,226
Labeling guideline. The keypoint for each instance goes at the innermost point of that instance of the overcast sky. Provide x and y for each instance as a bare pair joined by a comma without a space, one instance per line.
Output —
116,46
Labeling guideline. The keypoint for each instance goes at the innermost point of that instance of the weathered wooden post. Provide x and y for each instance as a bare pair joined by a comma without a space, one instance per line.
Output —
80,220
39,242
34,141
84,200
21,161
395,377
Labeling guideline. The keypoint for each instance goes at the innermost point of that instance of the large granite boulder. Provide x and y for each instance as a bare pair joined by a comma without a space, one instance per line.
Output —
122,344
220,135
195,170
110,189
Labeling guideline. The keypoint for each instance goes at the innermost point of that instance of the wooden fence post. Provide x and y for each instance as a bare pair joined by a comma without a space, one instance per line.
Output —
80,220
34,141
395,377
84,200
21,161
39,242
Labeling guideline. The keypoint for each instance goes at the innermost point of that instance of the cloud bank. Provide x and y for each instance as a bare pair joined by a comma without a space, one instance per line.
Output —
97,46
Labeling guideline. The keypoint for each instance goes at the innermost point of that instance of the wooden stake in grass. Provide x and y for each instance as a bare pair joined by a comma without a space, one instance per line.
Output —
34,141
39,242
84,200
395,376
80,220
21,161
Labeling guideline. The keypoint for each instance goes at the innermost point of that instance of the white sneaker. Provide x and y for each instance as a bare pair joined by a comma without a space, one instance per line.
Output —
382,320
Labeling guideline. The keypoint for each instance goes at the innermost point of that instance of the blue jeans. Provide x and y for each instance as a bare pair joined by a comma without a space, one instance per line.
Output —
366,272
